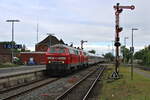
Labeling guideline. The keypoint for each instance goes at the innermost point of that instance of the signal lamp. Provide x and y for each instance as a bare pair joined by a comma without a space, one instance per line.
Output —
117,44
120,10
132,7
119,29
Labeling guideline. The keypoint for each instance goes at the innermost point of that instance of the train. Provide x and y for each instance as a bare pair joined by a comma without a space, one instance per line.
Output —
63,59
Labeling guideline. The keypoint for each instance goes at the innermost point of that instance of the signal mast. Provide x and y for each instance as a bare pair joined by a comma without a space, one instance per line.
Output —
118,29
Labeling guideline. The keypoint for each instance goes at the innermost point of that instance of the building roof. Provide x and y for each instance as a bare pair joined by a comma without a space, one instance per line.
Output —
53,40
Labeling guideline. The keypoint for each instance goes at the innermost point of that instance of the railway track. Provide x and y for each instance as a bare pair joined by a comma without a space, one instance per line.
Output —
18,86
24,91
82,89
17,91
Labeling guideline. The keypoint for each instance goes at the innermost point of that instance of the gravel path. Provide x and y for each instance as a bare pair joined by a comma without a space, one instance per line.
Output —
139,71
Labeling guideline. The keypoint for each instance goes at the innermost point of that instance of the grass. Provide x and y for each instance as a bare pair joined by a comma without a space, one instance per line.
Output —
125,88
5,65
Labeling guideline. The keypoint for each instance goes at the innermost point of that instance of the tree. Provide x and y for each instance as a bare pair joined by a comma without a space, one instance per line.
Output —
125,53
92,51
23,48
139,54
143,55
109,56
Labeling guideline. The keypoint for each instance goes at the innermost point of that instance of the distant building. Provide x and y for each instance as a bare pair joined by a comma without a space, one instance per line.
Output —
40,49
5,53
44,44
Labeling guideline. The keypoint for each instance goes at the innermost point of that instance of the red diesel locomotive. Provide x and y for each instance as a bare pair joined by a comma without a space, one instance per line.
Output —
61,59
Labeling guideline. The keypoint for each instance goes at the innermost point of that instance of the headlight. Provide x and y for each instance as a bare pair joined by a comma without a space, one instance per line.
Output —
50,57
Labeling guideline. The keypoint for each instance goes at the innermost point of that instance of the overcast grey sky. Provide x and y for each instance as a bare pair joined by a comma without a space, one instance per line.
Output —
75,20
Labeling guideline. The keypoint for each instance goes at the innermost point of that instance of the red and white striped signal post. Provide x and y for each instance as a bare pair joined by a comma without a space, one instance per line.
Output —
118,29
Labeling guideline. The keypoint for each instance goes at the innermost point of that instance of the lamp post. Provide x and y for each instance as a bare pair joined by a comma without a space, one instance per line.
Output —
124,56
50,35
132,51
12,21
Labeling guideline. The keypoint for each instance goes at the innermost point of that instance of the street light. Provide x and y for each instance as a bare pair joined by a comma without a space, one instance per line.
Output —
125,38
12,21
50,35
132,51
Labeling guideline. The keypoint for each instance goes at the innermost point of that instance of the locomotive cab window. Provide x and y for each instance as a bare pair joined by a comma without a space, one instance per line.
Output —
57,50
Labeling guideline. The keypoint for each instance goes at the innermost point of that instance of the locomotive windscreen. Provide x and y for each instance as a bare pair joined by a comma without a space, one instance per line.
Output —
57,50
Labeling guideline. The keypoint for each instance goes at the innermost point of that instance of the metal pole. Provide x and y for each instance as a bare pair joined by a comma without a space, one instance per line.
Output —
12,50
12,31
37,32
124,51
132,58
132,51
12,43
124,56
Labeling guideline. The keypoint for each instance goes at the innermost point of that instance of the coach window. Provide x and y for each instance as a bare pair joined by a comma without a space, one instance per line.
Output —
76,52
71,51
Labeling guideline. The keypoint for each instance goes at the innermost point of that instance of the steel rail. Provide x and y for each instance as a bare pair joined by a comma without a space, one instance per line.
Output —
71,88
28,89
74,86
20,85
94,83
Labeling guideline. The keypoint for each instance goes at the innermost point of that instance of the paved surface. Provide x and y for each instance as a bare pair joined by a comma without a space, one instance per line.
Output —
20,69
139,71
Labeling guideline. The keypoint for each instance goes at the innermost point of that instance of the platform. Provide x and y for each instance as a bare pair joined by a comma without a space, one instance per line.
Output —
4,72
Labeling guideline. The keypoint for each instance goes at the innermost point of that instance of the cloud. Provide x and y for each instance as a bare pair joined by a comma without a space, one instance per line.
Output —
74,20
